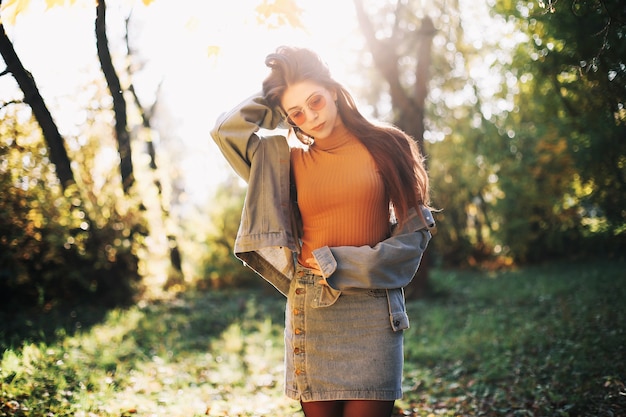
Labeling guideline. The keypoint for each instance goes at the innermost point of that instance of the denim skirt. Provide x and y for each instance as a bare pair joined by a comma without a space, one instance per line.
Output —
344,351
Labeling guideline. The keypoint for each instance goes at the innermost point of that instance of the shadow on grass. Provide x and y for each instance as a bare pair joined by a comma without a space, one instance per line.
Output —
208,353
18,327
178,323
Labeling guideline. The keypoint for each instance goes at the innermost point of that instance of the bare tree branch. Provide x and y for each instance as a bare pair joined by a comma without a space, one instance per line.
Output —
8,103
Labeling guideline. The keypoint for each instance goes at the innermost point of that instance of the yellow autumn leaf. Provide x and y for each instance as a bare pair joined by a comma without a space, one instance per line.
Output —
276,13
10,9
52,3
213,50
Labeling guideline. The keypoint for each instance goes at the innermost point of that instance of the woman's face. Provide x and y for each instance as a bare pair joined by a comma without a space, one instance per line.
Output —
312,108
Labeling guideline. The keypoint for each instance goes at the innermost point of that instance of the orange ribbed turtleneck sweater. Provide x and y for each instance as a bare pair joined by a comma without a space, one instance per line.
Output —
341,194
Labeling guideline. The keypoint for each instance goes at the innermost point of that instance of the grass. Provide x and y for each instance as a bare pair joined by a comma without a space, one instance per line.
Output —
544,341
541,341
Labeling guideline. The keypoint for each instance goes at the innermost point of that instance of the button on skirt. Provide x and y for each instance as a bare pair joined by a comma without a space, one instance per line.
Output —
343,351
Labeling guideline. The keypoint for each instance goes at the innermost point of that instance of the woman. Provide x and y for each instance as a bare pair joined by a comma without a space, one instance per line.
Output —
337,224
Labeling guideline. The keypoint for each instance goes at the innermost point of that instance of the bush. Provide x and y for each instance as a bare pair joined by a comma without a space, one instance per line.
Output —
60,245
220,268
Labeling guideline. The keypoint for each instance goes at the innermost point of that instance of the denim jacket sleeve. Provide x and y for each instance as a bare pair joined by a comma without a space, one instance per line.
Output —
235,132
390,264
266,239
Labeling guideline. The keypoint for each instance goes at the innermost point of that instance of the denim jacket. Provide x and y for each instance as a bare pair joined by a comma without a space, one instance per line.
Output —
268,240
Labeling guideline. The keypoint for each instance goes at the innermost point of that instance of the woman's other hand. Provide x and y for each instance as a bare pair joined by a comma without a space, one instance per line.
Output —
315,268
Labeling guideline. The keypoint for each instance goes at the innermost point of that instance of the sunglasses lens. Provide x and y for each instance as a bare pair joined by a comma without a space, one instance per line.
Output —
298,117
317,102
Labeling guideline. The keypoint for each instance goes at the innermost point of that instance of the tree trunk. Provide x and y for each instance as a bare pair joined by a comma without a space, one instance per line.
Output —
409,108
119,103
32,97
176,275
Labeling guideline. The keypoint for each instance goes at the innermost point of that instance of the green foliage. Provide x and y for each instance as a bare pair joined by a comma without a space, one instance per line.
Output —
542,341
60,246
508,192
220,267
570,109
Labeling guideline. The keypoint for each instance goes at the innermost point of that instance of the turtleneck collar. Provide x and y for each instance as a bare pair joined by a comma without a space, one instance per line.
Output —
339,137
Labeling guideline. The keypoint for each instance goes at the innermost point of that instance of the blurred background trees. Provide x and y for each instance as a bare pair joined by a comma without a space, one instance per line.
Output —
525,143
518,105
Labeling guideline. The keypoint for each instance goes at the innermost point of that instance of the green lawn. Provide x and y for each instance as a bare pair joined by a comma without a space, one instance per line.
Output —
541,341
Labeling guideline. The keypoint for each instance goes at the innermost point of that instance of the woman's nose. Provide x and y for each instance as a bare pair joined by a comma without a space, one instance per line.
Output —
314,114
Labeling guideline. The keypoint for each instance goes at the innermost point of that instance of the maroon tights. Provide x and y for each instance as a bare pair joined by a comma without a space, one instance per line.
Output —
352,408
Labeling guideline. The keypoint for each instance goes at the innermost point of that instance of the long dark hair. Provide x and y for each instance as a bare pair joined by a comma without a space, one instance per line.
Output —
396,154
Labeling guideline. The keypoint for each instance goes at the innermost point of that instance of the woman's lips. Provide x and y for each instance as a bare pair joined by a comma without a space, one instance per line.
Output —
318,127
